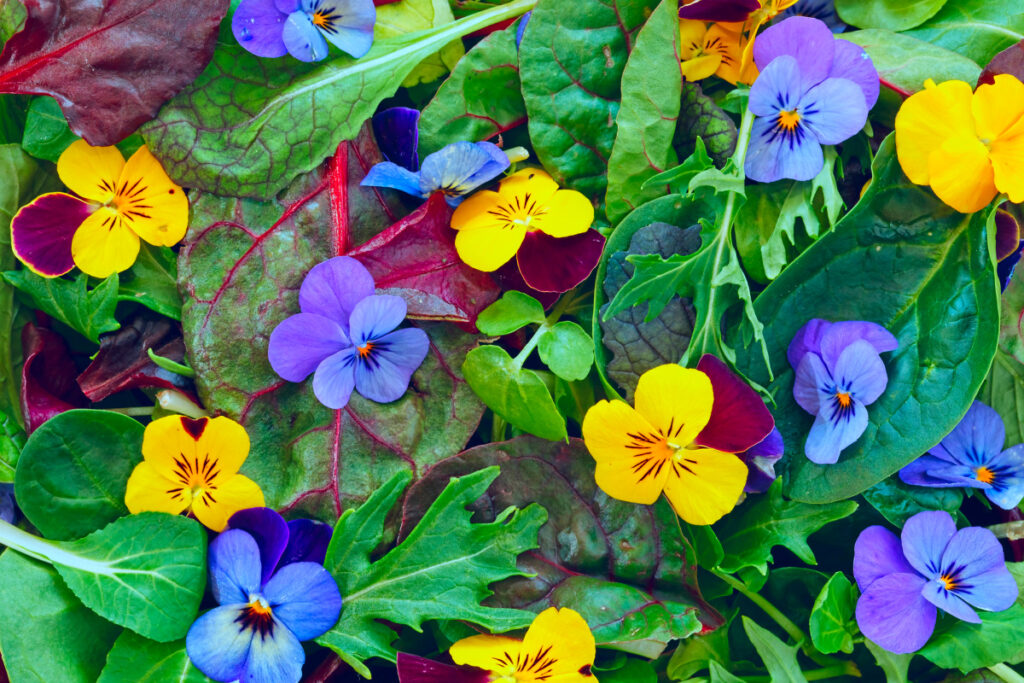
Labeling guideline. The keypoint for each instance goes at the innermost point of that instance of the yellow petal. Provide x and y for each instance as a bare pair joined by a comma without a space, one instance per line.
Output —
149,491
476,211
490,653
708,487
490,247
568,213
997,106
90,172
926,120
699,68
104,245
150,202
729,46
203,451
691,38
214,506
568,644
1007,157
227,442
529,181
962,175
676,401
630,454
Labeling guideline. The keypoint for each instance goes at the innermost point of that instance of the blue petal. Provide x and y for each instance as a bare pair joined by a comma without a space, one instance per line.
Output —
1008,488
892,613
388,174
257,25
333,288
234,567
924,539
807,41
521,28
877,553
839,335
384,376
992,591
807,340
397,133
335,378
288,6
352,32
375,316
812,378
305,597
497,164
936,593
270,532
775,154
977,439
307,541
861,372
830,435
776,89
458,168
275,658
854,64
217,646
928,470
833,111
301,342
302,38
974,559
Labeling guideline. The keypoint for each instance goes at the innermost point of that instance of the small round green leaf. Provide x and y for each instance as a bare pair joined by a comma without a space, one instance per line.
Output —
567,350
511,312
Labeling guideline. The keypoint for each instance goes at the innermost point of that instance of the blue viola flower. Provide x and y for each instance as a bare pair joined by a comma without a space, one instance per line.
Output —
838,374
303,28
972,456
813,90
255,634
455,170
823,10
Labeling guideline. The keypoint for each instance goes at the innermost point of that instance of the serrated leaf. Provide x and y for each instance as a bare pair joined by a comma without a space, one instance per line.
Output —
907,62
135,659
831,623
779,658
88,311
441,570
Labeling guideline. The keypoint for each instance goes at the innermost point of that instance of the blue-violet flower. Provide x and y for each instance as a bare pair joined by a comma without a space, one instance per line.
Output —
824,10
302,28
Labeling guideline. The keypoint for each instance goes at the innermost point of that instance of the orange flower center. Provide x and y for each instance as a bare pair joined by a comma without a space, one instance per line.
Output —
257,616
844,399
948,582
519,211
365,349
984,475
196,476
789,120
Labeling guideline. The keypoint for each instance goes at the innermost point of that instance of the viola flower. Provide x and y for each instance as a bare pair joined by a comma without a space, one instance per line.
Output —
455,170
760,460
823,10
681,439
1009,246
281,543
302,28
255,634
193,465
965,145
903,580
547,231
813,90
558,646
972,456
346,336
838,374
709,50
118,203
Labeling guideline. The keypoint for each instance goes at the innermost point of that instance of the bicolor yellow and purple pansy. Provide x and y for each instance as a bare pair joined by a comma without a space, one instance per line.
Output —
303,28
117,204
192,466
681,439
710,50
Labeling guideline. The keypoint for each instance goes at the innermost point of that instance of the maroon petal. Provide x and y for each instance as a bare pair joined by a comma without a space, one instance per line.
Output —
739,418
557,264
1007,234
719,10
41,232
47,377
415,669
509,278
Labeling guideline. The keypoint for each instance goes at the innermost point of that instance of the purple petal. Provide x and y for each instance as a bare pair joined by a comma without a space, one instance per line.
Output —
258,26
384,376
893,614
497,162
270,532
936,593
335,378
973,551
305,598
302,38
353,32
459,168
833,111
739,418
993,591
837,336
301,342
557,264
1008,265
819,9
877,553
806,340
937,473
924,539
288,6
808,41
1007,235
811,378
860,372
234,567
387,174
774,154
853,63
307,541
719,10
521,28
1008,488
830,434
215,644
760,460
415,669
375,316
333,288
776,89
977,438
41,232
278,657
398,136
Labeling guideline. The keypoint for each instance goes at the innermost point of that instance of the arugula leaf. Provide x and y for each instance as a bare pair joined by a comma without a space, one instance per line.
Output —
832,628
719,674
440,571
90,312
779,658
135,659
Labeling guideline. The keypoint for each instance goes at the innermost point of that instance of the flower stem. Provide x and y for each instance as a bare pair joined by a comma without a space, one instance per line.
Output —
1006,673
47,551
563,304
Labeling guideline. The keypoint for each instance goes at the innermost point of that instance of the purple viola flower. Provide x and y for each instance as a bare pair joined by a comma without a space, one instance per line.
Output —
972,456
281,543
823,10
397,133
838,374
760,460
1009,245
303,28
521,28
813,90
255,634
8,510
932,565
345,336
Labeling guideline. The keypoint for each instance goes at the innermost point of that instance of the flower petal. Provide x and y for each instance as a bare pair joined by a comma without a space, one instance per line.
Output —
977,438
949,602
104,244
90,172
178,446
41,232
234,567
997,106
301,342
333,288
385,374
760,460
892,613
335,378
303,40
353,31
568,213
375,316
416,669
811,378
1007,156
677,401
928,470
215,505
924,539
806,340
557,264
853,63
739,418
149,491
398,136
387,174
839,335
482,651
567,640
807,40
454,168
622,472
307,541
994,590
529,181
834,110
274,659
706,485
961,174
877,553
496,164
225,441
775,154
974,551
305,598
719,10
257,25
216,646
926,120
487,248
270,532
860,372
830,435
154,207
777,88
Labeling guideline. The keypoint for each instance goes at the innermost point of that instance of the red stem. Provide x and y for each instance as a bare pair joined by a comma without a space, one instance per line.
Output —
338,171
895,88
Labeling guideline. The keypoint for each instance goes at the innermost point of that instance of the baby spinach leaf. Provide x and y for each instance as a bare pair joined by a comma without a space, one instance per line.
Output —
779,658
907,62
135,659
831,627
513,311
977,29
72,473
46,131
960,645
441,570
88,311
567,350
894,16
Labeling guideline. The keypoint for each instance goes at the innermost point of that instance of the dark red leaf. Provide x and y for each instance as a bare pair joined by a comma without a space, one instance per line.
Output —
47,377
416,259
110,64
1009,61
122,362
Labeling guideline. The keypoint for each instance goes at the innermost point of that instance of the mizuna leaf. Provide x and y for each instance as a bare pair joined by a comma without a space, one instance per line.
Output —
110,64
440,570
285,120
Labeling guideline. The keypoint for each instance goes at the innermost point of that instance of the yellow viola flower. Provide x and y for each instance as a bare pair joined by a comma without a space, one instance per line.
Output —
968,146
709,50
557,647
492,226
192,465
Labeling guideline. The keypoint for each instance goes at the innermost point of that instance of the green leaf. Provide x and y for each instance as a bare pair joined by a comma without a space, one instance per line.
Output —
932,260
646,122
977,29
46,130
153,281
408,16
699,652
514,310
12,441
894,16
719,674
135,659
751,531
907,62
72,473
571,62
1004,391
898,502
46,634
480,99
779,658
567,350
13,110
285,120
12,18
90,312
832,628
632,671
895,666
440,571
959,645
514,393
701,119
572,398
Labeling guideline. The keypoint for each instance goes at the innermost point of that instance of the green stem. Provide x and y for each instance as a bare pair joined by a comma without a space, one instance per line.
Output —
135,411
498,425
563,304
33,546
1006,673
739,159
